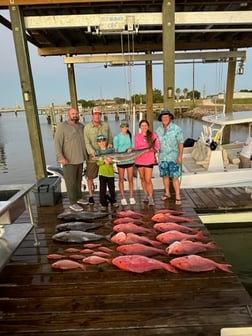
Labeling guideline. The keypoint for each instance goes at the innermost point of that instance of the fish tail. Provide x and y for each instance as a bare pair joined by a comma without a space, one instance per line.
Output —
225,267
108,237
170,268
211,244
200,234
155,243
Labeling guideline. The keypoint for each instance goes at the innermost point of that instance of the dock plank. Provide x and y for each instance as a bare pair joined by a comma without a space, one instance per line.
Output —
36,299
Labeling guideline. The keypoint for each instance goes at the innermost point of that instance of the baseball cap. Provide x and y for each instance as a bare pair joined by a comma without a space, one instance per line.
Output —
101,137
124,123
96,109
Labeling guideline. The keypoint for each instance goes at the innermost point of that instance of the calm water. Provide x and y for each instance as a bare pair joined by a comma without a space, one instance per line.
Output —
16,166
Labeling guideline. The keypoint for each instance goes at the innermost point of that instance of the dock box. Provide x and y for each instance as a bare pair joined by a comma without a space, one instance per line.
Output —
48,191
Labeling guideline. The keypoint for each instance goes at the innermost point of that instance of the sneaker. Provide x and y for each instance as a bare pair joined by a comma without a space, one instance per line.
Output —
151,201
132,201
103,208
75,207
146,199
82,201
91,200
115,205
124,201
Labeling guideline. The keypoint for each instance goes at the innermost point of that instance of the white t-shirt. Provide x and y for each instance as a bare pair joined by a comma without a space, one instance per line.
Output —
247,148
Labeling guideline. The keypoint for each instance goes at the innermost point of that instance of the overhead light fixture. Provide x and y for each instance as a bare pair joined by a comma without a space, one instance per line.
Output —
241,68
26,96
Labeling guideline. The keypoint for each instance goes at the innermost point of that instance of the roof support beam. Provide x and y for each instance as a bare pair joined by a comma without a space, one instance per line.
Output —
27,85
127,59
151,19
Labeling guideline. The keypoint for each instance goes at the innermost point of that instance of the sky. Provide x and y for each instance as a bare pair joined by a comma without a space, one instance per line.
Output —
94,81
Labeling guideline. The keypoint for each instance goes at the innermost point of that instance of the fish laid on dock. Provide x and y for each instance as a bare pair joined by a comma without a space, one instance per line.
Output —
164,227
77,226
167,217
130,213
171,236
82,216
195,263
140,249
66,264
77,236
140,264
185,247
122,238
130,227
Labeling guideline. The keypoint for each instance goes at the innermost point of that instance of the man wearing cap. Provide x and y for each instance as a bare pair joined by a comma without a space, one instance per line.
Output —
171,151
91,131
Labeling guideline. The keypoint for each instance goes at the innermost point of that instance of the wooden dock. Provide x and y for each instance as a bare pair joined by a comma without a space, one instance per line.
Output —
103,300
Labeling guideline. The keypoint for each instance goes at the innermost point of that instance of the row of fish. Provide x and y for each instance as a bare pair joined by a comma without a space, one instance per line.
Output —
179,238
137,248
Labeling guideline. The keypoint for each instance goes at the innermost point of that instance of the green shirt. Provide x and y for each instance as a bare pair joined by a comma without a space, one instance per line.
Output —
105,169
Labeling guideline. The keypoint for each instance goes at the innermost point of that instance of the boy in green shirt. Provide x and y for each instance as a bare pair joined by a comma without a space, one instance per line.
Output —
106,174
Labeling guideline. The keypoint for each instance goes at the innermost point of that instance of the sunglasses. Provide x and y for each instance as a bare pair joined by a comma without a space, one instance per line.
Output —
102,139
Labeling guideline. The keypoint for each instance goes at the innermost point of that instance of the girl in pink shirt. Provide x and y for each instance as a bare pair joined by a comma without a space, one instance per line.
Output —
146,161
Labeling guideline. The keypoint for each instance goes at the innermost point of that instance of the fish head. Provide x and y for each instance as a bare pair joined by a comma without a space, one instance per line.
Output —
119,238
181,262
117,228
174,248
62,236
120,262
159,217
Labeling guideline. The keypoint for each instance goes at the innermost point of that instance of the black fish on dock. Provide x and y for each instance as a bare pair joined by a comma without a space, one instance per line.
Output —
82,216
79,226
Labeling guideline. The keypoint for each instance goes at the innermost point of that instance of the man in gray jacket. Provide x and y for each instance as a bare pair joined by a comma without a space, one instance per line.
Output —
71,153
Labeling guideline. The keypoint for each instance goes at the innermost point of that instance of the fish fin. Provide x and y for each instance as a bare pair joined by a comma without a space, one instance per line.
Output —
225,267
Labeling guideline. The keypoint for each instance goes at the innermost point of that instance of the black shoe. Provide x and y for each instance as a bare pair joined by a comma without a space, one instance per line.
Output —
91,200
108,198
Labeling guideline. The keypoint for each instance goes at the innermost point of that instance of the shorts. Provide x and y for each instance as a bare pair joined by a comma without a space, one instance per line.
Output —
169,168
92,170
127,165
144,166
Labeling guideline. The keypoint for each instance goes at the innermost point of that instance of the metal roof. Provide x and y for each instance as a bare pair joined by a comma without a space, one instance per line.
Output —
108,27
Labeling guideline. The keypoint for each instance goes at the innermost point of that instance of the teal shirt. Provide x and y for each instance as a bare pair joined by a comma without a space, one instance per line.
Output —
121,144
169,142
105,169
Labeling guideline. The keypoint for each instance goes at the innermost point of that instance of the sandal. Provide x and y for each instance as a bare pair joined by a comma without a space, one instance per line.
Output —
165,197
178,202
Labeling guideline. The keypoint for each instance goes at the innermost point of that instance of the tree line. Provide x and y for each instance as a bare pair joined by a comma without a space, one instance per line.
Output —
140,98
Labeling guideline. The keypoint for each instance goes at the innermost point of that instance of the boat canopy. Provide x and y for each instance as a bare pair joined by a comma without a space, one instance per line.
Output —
232,118
214,132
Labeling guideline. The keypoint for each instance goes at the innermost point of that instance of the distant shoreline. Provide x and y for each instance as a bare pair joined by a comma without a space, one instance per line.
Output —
200,111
